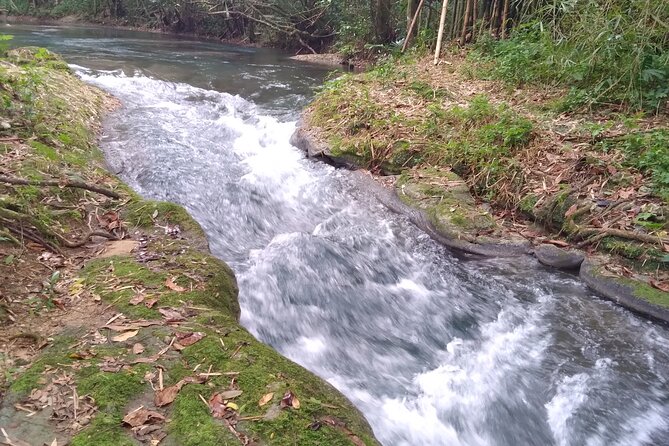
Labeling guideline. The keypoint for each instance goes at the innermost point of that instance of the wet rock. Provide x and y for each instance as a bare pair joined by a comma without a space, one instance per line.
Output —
304,140
631,294
452,216
551,255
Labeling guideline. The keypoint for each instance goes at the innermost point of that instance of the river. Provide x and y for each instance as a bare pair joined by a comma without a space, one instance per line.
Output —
435,348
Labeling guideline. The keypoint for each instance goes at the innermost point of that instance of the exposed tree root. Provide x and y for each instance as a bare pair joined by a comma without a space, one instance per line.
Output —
7,235
28,234
9,218
85,238
59,183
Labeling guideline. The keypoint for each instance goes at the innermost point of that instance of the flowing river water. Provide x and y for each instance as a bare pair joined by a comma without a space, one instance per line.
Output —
434,348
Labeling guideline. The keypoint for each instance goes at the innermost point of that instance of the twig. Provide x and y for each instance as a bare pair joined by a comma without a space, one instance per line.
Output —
59,183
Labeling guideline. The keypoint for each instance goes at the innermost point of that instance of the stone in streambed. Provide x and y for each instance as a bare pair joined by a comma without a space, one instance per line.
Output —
551,255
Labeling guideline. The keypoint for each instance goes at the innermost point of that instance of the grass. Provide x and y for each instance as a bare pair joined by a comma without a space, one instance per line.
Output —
477,140
605,53
649,153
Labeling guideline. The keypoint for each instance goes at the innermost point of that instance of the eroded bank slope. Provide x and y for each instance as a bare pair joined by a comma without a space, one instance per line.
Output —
117,325
495,170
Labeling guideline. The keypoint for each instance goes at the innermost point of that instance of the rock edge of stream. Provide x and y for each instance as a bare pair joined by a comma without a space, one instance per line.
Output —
623,292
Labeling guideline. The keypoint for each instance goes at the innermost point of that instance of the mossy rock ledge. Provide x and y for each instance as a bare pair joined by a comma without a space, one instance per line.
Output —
634,295
130,311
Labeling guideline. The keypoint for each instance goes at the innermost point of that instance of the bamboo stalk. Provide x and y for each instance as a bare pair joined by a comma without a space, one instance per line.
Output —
413,23
505,17
440,35
493,16
475,13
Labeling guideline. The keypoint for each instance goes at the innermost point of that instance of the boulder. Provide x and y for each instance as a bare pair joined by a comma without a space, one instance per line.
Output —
551,255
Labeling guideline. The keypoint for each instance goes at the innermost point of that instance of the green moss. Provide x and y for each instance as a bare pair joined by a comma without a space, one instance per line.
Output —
44,150
144,213
130,273
647,292
111,391
552,212
626,249
527,204
219,293
105,430
193,424
57,353
261,370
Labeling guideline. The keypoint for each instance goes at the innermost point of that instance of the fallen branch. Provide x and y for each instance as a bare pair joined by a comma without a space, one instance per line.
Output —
592,235
59,183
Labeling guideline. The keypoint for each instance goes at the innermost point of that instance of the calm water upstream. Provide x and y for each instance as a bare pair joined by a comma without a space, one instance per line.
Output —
433,348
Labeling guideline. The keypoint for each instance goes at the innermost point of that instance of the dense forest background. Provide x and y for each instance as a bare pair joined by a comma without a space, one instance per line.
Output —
609,50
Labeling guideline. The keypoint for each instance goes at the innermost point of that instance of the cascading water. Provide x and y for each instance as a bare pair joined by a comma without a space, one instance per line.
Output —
435,348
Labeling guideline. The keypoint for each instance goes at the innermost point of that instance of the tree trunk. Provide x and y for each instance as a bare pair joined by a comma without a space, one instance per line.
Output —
465,22
412,6
411,26
381,21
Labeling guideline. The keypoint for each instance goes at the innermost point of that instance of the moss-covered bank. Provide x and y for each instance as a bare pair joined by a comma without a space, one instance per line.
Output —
493,165
136,305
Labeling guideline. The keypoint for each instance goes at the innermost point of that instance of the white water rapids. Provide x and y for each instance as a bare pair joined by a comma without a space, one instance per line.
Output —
434,348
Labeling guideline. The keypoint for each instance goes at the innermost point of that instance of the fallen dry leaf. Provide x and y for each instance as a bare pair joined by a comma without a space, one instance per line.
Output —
220,408
131,325
289,400
266,399
171,315
110,364
216,406
340,426
186,339
137,349
136,300
662,286
229,394
169,394
169,283
231,405
142,416
125,336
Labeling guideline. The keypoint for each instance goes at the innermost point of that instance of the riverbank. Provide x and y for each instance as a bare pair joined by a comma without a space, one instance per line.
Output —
499,170
117,324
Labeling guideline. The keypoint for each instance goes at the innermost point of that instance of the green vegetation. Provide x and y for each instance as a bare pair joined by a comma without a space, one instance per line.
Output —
648,152
478,140
605,52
